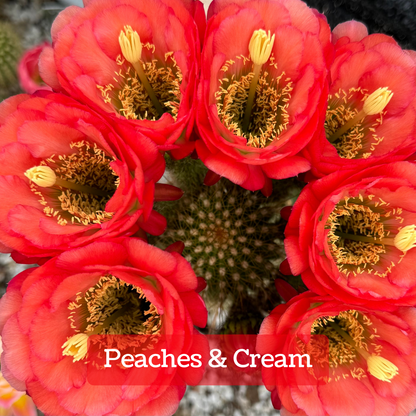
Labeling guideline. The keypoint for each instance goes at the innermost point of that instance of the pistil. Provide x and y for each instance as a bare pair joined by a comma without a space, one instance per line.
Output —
378,366
131,47
45,177
260,47
374,104
77,345
404,240
365,239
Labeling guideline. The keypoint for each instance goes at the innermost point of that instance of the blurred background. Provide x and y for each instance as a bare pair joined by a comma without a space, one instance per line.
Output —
26,23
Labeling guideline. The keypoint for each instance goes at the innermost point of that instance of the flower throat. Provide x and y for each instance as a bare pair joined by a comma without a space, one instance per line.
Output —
112,307
352,131
255,104
75,188
143,90
353,338
362,230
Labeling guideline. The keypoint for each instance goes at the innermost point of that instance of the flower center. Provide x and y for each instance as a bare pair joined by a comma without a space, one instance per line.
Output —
352,338
143,90
351,130
112,307
75,188
358,237
254,106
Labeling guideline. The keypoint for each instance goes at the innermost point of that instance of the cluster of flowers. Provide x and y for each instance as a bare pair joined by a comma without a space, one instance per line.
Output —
263,90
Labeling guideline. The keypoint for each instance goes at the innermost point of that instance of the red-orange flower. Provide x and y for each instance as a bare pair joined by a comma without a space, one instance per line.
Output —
134,60
358,135
372,358
353,236
262,94
119,286
95,183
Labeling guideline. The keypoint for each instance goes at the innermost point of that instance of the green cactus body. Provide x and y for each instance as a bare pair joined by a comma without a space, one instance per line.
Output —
10,52
228,239
233,238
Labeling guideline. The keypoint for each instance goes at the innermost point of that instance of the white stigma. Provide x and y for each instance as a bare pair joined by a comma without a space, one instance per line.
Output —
76,346
406,238
260,46
376,102
381,368
130,44
42,176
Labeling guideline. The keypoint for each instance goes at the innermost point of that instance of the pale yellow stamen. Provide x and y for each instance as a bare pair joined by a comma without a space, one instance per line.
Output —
131,47
45,177
406,238
42,176
381,368
375,103
260,48
76,346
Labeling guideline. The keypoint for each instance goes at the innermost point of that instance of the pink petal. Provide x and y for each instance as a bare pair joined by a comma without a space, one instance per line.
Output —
16,352
79,282
164,405
149,258
222,164
47,401
10,105
196,308
98,253
41,137
44,324
61,376
183,278
192,376
47,67
286,167
37,294
120,16
346,397
91,400
88,55
354,30
245,22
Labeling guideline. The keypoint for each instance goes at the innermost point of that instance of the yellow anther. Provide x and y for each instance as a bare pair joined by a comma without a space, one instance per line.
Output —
130,44
42,176
376,102
76,346
381,368
406,238
260,46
